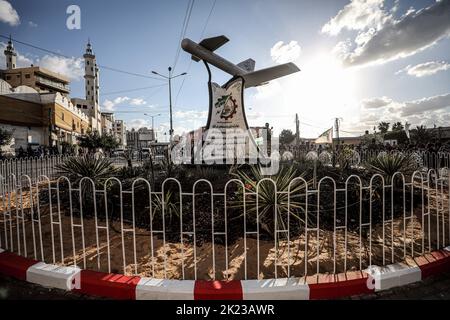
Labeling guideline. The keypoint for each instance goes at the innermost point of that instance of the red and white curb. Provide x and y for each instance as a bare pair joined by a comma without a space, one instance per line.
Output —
118,286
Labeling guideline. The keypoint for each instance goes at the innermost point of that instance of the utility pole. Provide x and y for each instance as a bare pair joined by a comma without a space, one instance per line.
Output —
153,125
170,104
169,78
336,126
297,133
336,148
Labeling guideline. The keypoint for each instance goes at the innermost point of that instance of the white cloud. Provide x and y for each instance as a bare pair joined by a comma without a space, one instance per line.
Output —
8,14
375,103
283,53
357,15
109,105
138,123
191,115
420,106
428,111
393,39
425,69
138,102
32,24
421,111
73,68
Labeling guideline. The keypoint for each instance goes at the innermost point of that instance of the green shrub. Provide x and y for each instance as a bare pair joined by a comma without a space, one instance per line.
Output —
388,164
76,168
270,204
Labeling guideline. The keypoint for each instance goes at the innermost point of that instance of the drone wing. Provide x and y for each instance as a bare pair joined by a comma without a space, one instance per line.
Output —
248,65
212,44
259,77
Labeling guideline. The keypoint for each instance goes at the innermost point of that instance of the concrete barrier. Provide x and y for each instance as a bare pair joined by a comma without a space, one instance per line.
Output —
118,286
48,275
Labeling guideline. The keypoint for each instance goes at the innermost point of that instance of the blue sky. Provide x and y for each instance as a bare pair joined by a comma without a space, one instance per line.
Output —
362,60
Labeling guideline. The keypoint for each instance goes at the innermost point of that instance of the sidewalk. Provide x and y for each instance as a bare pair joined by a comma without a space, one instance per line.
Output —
432,288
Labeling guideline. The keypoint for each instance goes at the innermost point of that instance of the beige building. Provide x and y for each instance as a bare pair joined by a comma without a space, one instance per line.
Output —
37,78
107,122
120,132
37,118
141,138
35,105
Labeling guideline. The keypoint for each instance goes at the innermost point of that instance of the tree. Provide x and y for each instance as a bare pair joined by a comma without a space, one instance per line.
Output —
383,127
90,141
5,137
93,141
421,135
108,142
397,126
286,137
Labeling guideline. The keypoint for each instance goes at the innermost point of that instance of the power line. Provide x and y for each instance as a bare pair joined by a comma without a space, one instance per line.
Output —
187,18
67,57
201,36
131,90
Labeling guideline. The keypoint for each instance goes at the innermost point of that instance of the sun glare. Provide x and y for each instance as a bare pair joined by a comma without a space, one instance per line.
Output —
322,88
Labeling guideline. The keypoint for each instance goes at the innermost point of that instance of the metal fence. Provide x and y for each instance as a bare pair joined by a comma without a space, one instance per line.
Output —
130,228
424,159
31,166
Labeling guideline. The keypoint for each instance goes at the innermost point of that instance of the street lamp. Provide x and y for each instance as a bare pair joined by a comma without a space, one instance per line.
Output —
169,78
153,125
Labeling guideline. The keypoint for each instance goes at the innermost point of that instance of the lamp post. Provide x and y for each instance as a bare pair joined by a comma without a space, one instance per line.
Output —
169,78
153,125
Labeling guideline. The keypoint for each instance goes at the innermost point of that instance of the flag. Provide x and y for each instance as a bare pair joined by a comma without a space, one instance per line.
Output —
326,137
407,125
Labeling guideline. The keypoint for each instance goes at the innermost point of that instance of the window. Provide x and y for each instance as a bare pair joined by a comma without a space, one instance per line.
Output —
27,76
87,62
84,106
8,77
92,69
62,116
78,105
88,82
89,93
18,76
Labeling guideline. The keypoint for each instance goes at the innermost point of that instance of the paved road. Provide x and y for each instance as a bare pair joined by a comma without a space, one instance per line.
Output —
433,288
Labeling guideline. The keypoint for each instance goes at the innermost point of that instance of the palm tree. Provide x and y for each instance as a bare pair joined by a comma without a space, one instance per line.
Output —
421,135
383,127
398,126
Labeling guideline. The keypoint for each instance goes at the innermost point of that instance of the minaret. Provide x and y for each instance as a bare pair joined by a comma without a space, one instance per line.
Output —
11,56
92,85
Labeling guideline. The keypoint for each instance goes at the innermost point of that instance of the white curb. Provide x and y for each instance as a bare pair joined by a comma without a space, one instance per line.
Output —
275,289
66,278
394,275
157,289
